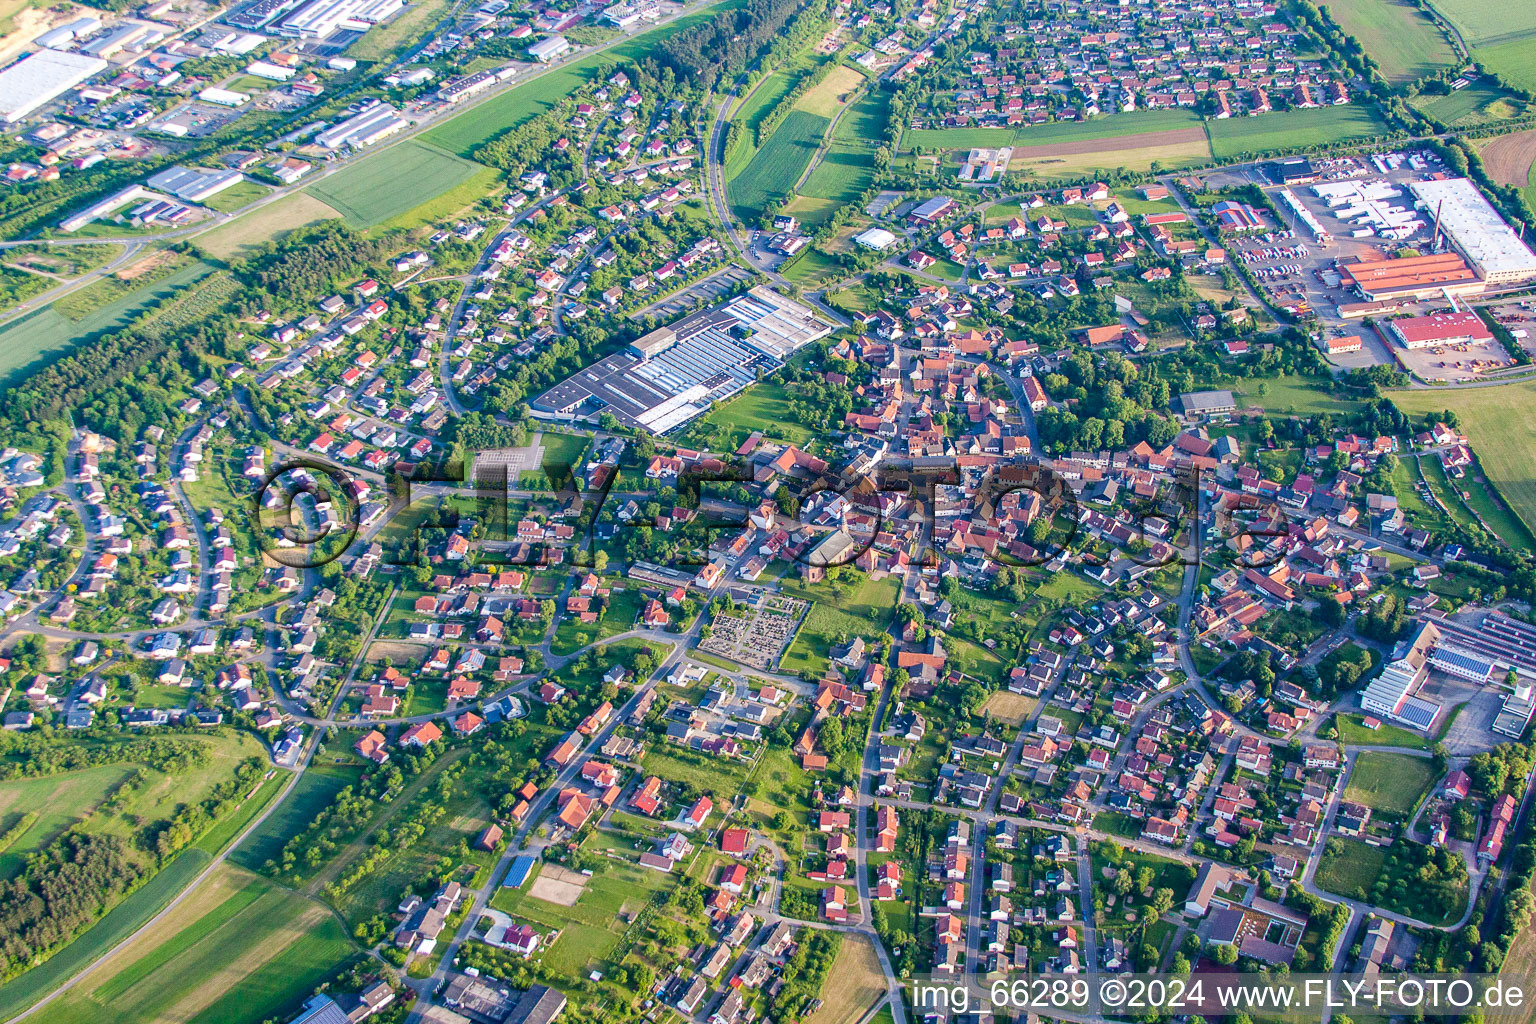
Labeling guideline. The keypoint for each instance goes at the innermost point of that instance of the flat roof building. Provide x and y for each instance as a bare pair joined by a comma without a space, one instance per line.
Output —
877,239
1414,277
934,209
1208,403
194,185
1439,329
1471,224
40,78
674,373
363,129
546,50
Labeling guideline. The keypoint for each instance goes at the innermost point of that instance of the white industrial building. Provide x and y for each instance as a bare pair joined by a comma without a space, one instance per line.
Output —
1394,694
271,72
319,18
224,97
550,48
40,78
1475,229
58,38
877,239
364,129
1368,206
675,373
1299,210
193,184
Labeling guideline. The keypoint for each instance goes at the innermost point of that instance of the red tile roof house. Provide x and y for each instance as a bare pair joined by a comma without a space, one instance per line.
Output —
699,812
420,734
734,841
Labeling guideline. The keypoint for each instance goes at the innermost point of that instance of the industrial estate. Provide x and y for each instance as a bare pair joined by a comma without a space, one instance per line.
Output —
717,511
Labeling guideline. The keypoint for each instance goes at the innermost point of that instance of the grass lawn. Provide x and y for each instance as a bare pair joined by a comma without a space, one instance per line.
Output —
50,804
381,42
1292,129
1478,104
762,407
1501,423
1292,395
591,928
236,196
1356,867
1391,783
1353,734
1067,589
861,607
854,984
719,776
234,239
623,610
368,192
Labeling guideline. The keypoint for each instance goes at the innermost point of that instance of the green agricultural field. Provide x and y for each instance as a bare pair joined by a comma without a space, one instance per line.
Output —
1500,34
1402,39
1477,104
1501,423
1292,129
122,921
369,192
774,169
1510,58
848,166
1109,126
1485,21
1388,782
46,334
240,950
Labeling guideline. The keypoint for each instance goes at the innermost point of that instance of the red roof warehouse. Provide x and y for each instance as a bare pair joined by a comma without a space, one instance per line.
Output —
1440,329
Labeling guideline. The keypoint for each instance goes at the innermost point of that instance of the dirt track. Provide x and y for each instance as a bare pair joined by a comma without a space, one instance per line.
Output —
1508,158
1113,143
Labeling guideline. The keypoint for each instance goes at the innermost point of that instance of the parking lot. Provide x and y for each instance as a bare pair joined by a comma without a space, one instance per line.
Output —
1519,318
702,292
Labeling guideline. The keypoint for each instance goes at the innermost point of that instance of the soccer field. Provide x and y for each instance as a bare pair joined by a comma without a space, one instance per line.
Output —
1389,782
